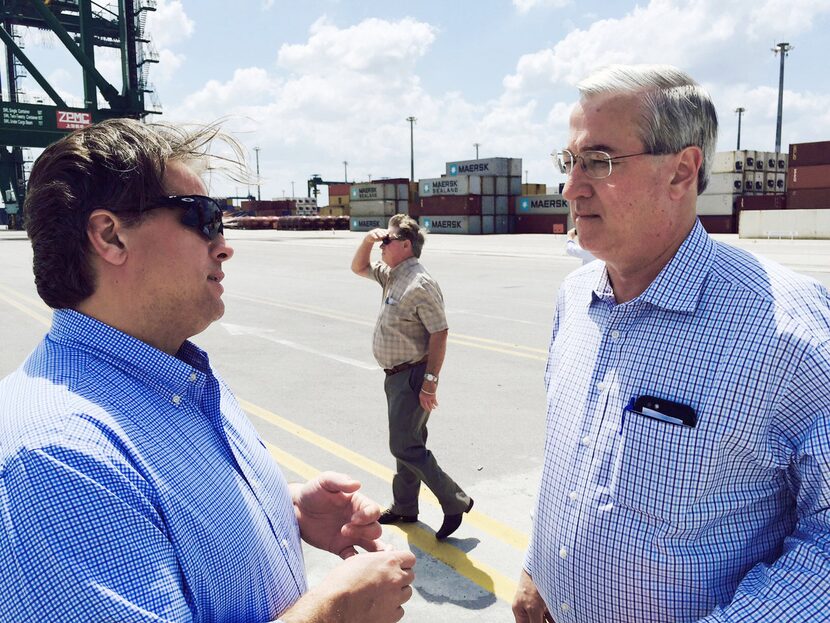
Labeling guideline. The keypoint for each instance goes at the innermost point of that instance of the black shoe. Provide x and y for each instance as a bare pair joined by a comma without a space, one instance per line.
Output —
388,517
451,523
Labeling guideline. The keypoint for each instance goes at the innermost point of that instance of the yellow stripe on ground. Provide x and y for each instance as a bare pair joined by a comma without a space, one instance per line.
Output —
495,528
25,308
474,570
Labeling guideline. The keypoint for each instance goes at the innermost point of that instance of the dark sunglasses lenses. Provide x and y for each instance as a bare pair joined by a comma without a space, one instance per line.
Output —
201,213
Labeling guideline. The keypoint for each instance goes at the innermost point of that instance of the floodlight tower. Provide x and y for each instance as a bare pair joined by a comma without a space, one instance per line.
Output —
740,110
783,49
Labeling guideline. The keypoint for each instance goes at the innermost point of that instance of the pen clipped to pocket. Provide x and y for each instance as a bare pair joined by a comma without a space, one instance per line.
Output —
664,410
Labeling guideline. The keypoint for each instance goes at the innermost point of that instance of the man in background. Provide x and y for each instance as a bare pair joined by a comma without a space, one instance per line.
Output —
410,342
132,485
687,462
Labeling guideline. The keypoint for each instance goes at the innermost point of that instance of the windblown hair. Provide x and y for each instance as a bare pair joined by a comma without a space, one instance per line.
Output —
409,229
676,111
116,165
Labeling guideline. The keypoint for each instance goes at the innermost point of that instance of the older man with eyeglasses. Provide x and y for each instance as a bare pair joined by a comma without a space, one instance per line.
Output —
686,472
410,342
132,485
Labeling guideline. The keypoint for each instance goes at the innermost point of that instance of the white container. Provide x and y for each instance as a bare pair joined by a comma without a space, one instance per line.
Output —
515,188
721,183
782,162
749,159
794,224
728,162
488,205
542,204
716,205
372,192
501,185
382,207
502,205
403,192
488,224
781,182
403,206
770,180
515,167
486,166
759,182
451,224
367,223
459,185
488,185
770,161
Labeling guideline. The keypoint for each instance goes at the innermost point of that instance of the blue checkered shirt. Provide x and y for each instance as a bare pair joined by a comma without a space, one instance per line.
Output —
133,488
642,520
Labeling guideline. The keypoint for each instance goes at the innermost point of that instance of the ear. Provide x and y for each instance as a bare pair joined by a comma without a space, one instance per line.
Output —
684,178
104,230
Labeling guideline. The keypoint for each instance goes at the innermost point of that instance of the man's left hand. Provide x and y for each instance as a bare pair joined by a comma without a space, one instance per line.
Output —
334,517
429,396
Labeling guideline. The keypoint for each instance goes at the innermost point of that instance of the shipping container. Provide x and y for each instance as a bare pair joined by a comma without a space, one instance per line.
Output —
815,176
501,185
488,185
808,199
339,189
367,223
486,166
451,224
809,154
502,206
339,200
722,183
403,191
762,202
719,224
792,224
716,205
728,162
488,224
459,185
541,223
450,204
403,206
781,182
514,186
542,204
372,192
533,189
384,207
504,224
758,188
488,205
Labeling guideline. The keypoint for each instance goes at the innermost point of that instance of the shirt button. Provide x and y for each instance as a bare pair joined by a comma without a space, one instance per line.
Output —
615,335
284,543
193,377
601,386
176,399
563,553
586,441
564,608
574,496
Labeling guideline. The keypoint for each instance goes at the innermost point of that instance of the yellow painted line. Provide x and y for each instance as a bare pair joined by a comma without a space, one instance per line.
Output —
483,575
455,338
493,527
26,309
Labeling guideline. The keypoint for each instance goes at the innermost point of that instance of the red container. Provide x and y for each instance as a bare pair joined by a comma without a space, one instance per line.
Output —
762,202
447,205
339,189
816,176
808,154
541,223
719,224
808,199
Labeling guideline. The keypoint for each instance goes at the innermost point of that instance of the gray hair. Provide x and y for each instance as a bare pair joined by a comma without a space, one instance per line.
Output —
408,228
677,111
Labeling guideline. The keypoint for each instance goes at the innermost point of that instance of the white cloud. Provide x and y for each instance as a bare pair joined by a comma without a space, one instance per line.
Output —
523,6
169,24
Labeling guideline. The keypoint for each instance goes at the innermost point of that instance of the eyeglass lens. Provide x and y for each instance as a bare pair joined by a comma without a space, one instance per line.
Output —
596,164
203,214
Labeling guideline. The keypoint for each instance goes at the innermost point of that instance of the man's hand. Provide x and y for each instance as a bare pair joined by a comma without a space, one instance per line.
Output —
367,588
333,517
360,261
429,396
375,236
528,605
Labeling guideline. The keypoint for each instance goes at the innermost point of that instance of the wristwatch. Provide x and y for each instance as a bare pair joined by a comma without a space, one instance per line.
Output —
430,377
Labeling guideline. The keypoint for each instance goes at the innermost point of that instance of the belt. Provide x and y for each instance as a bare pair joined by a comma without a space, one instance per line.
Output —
403,366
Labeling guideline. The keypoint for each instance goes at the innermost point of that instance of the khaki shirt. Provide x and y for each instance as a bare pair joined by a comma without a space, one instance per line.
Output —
411,309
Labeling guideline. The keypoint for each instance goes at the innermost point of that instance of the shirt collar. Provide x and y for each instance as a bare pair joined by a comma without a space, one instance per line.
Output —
408,262
678,286
188,369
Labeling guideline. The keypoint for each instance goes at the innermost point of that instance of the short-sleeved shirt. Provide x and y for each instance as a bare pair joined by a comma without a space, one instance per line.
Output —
134,488
411,309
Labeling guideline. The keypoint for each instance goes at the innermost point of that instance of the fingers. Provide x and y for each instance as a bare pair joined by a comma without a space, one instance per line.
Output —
335,482
360,533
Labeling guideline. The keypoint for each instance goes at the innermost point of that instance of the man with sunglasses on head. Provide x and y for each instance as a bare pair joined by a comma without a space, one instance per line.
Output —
132,485
410,342
686,473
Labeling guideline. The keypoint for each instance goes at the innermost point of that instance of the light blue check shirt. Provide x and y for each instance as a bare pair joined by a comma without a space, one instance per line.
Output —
641,520
133,488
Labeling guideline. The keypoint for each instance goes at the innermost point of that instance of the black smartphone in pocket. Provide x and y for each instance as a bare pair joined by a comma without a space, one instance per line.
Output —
665,410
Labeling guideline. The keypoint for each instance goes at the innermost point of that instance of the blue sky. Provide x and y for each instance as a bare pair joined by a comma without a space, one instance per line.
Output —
317,82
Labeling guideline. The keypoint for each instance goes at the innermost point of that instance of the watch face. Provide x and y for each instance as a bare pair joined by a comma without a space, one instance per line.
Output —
430,377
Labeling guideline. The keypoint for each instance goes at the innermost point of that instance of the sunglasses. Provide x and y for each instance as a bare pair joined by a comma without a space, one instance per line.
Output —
200,213
388,239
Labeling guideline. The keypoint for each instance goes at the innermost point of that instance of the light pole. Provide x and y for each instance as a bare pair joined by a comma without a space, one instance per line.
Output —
780,48
346,171
740,110
476,145
258,196
412,121
292,189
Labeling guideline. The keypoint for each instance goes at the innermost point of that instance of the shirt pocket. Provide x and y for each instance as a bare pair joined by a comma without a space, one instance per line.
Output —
661,468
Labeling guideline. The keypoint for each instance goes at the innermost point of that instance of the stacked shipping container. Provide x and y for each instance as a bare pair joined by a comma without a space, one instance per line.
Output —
542,214
472,197
808,177
371,204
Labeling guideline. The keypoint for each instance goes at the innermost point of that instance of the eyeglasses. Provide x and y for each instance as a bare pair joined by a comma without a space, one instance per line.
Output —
387,239
201,213
595,164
